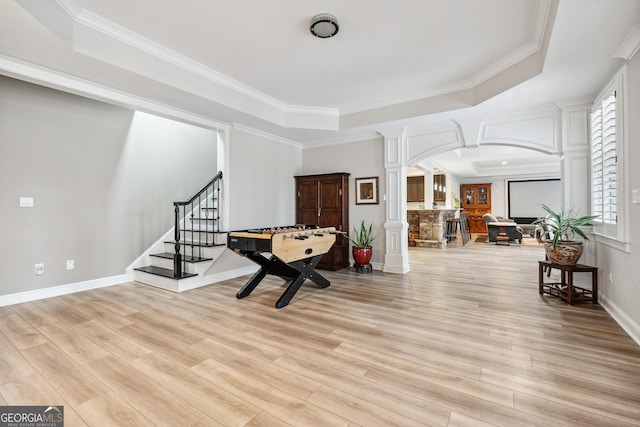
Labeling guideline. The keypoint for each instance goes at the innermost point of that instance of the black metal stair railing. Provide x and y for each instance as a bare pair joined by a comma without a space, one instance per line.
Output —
195,233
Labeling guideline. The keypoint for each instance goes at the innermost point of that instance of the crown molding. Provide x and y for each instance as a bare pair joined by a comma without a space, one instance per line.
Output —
362,137
630,45
265,135
21,70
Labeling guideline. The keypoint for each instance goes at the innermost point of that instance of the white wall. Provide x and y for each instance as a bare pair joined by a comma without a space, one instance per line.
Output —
621,295
360,159
103,180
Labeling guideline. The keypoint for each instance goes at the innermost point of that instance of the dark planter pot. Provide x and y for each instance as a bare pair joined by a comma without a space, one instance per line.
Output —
362,256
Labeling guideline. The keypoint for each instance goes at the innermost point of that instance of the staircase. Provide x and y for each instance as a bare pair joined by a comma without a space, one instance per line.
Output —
184,256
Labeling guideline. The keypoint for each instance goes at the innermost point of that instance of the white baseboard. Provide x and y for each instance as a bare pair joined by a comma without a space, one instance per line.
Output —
56,291
625,322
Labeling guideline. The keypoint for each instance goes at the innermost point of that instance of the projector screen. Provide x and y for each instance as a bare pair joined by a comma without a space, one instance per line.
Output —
525,198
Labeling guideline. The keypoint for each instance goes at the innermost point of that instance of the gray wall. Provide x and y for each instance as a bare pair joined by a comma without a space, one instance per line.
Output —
622,294
261,184
103,179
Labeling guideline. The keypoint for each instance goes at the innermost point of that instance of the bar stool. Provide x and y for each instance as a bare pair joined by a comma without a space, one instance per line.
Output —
465,231
452,229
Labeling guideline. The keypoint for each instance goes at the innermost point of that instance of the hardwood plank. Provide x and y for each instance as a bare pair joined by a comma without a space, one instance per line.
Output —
263,350
358,385
485,410
72,380
78,347
621,408
569,415
163,345
35,390
208,422
458,419
62,311
222,406
358,410
33,314
111,340
260,369
280,404
111,409
105,316
263,419
13,365
20,332
157,403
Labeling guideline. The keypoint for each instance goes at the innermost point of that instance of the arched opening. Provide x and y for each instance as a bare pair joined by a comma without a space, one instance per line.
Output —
444,172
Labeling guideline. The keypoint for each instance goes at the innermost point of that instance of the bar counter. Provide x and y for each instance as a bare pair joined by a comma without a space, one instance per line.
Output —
427,227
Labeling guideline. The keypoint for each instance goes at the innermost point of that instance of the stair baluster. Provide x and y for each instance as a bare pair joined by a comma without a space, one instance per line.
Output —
199,236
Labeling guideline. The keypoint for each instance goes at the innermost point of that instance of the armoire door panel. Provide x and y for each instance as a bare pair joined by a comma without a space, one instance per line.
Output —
308,203
324,200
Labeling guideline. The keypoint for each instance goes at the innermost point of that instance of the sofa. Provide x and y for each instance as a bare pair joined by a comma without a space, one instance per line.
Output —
493,229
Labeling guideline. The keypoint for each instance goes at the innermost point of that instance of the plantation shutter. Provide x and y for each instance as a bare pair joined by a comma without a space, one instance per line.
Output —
596,164
610,160
604,161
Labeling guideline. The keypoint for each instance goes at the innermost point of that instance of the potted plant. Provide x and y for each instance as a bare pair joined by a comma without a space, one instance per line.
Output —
361,242
557,232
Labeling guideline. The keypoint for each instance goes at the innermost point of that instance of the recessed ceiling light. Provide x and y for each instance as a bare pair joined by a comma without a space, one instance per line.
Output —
504,162
324,25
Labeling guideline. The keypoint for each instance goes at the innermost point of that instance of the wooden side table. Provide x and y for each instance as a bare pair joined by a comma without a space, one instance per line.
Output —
565,289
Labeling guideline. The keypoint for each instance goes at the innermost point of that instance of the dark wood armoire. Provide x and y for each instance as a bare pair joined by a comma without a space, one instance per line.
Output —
323,200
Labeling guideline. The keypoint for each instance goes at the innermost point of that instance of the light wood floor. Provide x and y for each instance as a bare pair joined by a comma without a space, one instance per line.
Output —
462,340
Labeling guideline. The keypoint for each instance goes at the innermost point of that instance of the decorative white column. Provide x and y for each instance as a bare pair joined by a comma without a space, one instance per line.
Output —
396,258
428,189
575,166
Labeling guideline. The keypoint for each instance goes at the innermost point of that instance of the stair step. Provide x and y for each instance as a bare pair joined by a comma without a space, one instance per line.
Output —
190,243
169,255
164,272
189,230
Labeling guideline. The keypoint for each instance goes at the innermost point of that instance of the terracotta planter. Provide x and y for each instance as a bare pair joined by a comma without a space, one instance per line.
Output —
362,256
565,253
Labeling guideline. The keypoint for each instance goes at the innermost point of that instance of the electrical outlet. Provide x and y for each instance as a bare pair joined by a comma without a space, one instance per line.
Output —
70,264
26,202
39,269
611,277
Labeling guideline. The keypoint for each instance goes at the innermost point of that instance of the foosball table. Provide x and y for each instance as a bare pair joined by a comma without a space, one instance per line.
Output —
290,253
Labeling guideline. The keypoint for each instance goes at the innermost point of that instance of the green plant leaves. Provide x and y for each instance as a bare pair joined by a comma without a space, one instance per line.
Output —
559,227
363,237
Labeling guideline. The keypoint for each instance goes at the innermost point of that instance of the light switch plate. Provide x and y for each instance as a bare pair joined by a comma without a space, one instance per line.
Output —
26,202
636,196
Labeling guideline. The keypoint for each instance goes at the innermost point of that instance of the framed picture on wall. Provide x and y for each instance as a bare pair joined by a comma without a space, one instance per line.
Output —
367,191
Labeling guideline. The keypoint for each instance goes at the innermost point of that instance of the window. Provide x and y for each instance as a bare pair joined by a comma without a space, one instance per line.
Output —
607,162
604,160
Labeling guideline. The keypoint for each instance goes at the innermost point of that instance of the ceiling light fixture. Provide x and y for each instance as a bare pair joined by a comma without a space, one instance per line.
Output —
324,26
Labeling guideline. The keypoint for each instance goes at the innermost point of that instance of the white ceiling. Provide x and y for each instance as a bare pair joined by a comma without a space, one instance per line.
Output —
414,63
